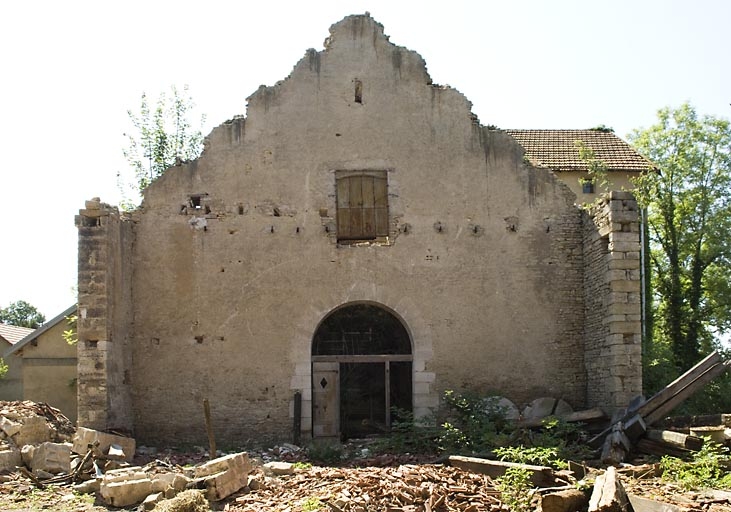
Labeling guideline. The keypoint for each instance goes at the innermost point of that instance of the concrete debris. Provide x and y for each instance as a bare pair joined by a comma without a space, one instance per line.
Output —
53,458
279,468
127,486
224,476
29,422
9,459
121,446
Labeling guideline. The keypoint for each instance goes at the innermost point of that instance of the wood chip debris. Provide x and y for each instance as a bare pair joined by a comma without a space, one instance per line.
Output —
407,488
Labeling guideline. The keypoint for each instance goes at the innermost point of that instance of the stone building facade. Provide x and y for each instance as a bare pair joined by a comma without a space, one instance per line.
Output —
360,241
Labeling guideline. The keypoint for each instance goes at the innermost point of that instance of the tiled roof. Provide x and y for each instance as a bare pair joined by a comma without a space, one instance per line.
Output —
33,334
13,334
556,150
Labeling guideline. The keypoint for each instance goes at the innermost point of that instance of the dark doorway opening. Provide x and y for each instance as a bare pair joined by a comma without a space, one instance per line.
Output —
371,351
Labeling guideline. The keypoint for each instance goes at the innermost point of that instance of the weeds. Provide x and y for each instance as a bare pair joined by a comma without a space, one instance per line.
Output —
537,455
707,468
325,453
515,489
312,503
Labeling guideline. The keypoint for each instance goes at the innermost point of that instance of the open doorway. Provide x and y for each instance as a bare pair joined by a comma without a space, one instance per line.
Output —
361,371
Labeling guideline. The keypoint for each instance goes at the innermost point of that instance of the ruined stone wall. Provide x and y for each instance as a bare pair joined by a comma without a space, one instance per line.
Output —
236,259
103,318
612,287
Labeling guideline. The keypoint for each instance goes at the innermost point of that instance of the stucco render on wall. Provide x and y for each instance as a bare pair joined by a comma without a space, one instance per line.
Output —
214,288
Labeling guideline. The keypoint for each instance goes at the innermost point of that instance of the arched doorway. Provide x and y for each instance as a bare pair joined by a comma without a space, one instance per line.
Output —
361,370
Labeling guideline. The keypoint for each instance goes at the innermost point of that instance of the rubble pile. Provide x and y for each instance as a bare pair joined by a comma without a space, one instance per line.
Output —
406,487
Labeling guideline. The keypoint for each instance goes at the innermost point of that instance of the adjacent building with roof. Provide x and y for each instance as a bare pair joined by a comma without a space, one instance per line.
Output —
557,150
11,385
357,242
46,365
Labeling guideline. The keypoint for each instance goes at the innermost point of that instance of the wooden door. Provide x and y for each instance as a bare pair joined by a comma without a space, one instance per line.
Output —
326,399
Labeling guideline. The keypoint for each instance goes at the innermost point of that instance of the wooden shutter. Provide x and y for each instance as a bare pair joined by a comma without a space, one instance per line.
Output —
362,206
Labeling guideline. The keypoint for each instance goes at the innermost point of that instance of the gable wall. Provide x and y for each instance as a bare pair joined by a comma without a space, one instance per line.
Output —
223,305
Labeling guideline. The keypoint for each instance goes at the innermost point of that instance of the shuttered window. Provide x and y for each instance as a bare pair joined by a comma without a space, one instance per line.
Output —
362,200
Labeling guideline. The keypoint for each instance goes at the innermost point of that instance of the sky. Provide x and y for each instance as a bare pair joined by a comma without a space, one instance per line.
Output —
70,70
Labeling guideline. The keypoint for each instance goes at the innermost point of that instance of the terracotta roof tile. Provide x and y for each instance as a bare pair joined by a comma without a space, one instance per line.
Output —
13,334
556,149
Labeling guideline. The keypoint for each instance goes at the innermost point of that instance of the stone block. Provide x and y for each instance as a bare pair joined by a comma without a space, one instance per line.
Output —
225,475
85,437
34,430
165,481
54,458
625,327
624,246
9,459
152,500
10,427
124,487
624,286
279,468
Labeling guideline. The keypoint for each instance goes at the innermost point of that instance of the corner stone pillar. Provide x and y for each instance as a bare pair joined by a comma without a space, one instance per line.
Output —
103,393
614,311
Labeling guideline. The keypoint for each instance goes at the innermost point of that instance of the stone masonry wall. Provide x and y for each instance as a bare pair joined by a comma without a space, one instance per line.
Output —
104,305
612,301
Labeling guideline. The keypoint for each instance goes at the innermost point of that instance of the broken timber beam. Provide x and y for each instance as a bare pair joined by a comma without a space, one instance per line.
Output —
661,403
686,392
542,476
677,439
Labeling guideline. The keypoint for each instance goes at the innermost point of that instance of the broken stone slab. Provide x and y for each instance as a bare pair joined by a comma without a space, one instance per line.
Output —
52,458
152,500
225,475
279,468
34,430
89,487
86,437
542,476
165,481
546,406
10,427
127,486
567,500
640,504
609,494
10,459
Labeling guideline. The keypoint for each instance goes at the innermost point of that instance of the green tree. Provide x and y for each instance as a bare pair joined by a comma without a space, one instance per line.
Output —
22,314
689,227
163,136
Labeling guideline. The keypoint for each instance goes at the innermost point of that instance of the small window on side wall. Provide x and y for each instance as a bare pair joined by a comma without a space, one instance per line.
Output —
587,186
362,205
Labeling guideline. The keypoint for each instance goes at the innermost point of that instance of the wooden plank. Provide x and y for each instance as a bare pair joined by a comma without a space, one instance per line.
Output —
676,438
678,384
609,494
686,392
541,476
659,448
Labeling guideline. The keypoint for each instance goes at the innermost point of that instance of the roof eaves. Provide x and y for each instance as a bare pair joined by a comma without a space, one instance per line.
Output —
43,328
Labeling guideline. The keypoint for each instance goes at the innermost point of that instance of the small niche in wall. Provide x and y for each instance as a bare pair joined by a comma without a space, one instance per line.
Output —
91,343
358,91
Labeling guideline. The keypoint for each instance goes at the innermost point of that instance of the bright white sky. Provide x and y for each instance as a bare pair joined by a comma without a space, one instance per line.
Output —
70,70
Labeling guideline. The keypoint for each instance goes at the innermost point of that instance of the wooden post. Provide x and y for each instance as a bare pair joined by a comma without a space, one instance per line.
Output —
209,429
297,423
